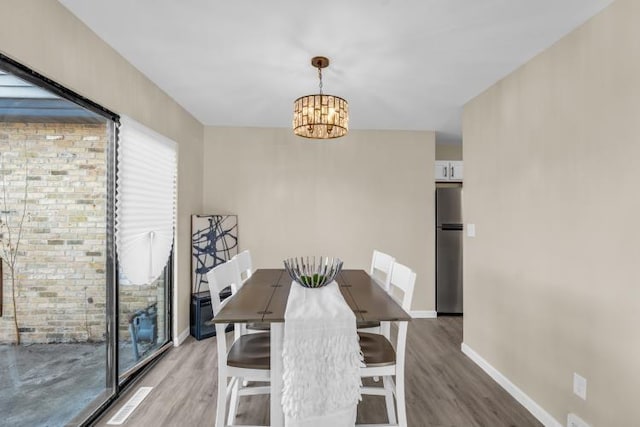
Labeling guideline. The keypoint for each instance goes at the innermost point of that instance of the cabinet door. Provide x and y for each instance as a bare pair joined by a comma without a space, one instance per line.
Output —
442,170
456,171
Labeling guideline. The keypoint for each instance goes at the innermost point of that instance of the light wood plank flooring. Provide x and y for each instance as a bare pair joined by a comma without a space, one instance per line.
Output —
444,387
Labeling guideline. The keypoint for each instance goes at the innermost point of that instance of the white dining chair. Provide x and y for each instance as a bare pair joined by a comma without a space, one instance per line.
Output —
245,269
385,359
380,271
247,359
245,266
381,266
222,276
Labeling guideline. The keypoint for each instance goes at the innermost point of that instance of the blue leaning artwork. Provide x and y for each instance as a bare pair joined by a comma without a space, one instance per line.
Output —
214,240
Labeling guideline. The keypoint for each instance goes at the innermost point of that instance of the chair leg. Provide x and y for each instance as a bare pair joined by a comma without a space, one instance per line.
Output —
233,404
388,399
235,401
400,399
222,398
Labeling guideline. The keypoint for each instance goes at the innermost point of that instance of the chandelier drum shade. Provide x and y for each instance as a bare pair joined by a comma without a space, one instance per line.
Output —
145,201
320,116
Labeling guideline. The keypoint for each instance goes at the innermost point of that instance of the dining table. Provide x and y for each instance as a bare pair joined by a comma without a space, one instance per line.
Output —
263,299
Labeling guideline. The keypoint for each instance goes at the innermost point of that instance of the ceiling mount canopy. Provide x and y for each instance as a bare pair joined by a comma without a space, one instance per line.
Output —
320,116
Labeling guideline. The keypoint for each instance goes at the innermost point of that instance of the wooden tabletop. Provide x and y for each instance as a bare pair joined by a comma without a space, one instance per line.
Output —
263,298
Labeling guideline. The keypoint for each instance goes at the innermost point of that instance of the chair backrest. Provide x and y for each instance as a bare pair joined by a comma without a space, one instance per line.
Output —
381,268
245,266
223,275
221,329
219,277
404,279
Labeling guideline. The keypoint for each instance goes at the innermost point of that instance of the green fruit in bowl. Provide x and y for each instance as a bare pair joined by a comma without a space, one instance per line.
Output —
312,281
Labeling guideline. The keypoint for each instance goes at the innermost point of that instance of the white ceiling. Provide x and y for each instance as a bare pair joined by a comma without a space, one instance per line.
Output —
404,64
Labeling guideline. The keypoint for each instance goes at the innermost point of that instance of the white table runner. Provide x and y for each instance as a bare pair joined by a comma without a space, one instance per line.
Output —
321,359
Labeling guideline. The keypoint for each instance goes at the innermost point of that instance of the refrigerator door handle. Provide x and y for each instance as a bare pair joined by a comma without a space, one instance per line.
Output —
451,227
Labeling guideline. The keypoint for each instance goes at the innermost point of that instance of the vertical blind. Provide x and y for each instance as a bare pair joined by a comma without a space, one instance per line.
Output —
145,201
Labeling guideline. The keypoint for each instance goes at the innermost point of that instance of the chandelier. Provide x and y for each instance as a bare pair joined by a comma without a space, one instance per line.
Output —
320,116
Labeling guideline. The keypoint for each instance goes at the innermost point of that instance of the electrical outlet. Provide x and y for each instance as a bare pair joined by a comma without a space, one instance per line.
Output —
574,421
580,386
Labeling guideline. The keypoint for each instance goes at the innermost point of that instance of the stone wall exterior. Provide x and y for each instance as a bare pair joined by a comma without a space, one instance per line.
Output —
60,268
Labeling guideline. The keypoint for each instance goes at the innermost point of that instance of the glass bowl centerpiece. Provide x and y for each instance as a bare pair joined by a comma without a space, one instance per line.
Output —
313,272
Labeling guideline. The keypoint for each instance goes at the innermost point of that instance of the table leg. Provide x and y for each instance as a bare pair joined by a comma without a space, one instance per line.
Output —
277,334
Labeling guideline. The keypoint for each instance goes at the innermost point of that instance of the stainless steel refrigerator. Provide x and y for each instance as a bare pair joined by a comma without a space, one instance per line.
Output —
449,230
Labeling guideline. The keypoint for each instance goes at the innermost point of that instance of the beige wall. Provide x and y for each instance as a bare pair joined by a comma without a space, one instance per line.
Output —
44,36
552,284
370,189
448,151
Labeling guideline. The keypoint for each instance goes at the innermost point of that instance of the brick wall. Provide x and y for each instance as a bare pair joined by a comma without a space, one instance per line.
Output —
61,262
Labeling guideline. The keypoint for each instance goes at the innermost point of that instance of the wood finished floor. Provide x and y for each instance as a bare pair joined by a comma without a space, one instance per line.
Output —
444,388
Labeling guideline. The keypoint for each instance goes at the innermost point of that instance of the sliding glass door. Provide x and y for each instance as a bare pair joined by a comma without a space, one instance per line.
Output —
145,223
54,196
144,325
72,330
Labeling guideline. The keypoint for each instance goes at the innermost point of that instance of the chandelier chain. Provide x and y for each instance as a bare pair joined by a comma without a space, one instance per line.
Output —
320,78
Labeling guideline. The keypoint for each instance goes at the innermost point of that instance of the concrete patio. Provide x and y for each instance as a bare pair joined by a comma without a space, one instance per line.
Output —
49,384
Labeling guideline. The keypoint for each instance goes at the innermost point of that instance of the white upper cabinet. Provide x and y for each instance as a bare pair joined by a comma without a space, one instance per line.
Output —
456,171
449,171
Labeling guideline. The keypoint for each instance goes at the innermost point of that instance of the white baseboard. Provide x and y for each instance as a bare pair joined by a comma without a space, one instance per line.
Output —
423,314
536,410
181,337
